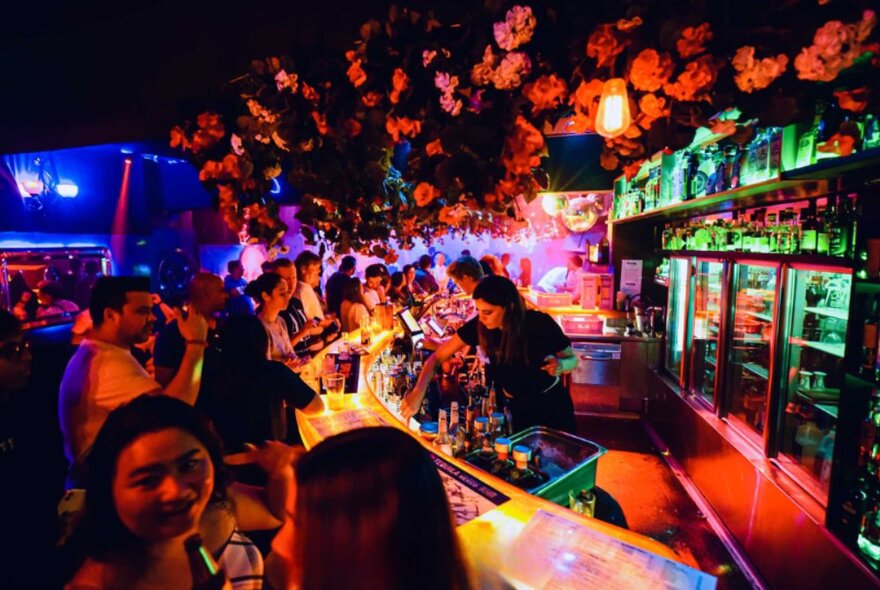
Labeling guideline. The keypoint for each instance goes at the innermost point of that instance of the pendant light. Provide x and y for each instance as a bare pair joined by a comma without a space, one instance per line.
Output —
613,117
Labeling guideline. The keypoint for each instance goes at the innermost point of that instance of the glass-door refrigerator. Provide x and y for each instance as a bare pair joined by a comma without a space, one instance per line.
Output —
815,322
706,329
750,346
677,315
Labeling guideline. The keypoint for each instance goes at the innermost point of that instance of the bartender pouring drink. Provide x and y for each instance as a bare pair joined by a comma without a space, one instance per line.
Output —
527,351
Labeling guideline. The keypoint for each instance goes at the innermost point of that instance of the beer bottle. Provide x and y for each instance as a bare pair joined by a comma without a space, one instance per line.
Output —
206,574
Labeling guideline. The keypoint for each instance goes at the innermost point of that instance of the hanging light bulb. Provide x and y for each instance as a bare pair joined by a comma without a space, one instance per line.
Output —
613,117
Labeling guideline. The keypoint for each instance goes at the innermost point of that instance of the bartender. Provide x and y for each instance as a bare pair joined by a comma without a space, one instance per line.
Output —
527,351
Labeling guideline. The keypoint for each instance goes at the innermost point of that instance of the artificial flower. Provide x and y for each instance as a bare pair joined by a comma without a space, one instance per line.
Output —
835,47
516,29
840,143
353,127
398,127
481,74
371,99
604,45
693,40
235,144
399,84
425,193
585,101
608,160
272,172
450,105
694,82
650,70
755,74
522,147
630,170
282,145
434,148
260,112
309,93
722,126
428,56
855,100
453,215
651,108
178,138
546,92
356,75
511,71
626,25
445,83
320,122
284,80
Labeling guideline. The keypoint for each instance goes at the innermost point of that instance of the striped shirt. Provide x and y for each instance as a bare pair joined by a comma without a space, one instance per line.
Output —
242,562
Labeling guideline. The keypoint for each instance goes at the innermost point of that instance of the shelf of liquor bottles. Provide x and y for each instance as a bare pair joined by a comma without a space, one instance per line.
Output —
768,257
717,175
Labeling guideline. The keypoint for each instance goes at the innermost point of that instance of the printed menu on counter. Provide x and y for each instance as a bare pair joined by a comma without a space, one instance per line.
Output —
468,496
330,424
555,553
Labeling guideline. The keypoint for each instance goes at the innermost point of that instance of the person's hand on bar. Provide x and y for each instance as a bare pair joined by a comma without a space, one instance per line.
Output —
411,403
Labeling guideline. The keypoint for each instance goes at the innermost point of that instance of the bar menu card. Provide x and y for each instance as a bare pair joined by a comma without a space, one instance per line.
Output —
330,424
468,496
555,553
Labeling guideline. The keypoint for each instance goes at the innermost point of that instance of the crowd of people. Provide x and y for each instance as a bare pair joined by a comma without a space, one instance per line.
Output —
181,421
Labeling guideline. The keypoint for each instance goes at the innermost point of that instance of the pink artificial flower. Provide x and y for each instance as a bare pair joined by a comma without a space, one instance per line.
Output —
511,71
428,56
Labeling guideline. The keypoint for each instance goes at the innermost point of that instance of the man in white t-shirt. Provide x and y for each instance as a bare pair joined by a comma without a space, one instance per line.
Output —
308,271
103,374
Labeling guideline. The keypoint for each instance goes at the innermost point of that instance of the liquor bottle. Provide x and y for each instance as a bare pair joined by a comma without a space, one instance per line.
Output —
481,425
521,475
762,156
206,574
489,403
508,422
604,252
806,152
690,163
719,175
839,222
735,235
871,132
823,233
869,340
700,163
809,229
502,464
455,430
443,442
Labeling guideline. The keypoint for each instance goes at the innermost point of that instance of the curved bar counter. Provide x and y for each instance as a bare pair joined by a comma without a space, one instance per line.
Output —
489,536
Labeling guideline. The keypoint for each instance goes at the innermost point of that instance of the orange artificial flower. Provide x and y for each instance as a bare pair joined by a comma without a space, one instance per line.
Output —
608,159
356,74
585,100
522,148
231,168
653,106
425,193
841,144
210,170
723,127
399,84
547,92
226,195
650,70
211,130
855,100
629,24
697,79
604,45
434,148
693,40
309,93
398,127
178,138
630,170
320,122
371,99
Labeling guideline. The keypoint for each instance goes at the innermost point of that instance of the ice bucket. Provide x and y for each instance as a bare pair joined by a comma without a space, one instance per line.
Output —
569,460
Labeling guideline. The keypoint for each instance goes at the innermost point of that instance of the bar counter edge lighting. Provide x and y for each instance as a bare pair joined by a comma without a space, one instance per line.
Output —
485,538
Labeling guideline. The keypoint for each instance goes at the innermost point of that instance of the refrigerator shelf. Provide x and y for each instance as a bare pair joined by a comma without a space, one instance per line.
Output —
710,361
837,350
757,370
831,312
820,396
766,317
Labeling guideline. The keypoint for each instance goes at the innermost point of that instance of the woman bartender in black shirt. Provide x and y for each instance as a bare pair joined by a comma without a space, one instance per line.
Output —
528,353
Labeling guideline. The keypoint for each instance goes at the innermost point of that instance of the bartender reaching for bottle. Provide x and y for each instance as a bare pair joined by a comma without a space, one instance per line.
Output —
527,350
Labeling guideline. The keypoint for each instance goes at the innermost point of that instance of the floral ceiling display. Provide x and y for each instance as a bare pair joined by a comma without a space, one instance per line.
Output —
432,122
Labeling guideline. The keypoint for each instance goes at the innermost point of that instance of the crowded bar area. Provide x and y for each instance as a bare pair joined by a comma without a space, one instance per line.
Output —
544,295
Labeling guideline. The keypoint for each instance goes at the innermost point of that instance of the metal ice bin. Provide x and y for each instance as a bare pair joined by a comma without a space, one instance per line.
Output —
569,460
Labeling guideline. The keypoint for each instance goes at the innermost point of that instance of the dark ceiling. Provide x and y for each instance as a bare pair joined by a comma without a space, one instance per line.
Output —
89,72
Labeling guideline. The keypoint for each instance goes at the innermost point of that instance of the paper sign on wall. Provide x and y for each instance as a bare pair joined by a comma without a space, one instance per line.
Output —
631,277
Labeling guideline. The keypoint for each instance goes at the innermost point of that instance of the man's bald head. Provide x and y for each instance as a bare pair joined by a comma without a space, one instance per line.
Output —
207,294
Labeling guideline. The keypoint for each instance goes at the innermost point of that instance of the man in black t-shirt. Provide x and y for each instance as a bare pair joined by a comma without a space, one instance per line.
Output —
334,285
207,296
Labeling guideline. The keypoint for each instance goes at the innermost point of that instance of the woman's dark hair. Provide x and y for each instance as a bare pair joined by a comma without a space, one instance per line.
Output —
397,280
351,291
375,270
265,283
511,347
362,498
51,289
105,532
